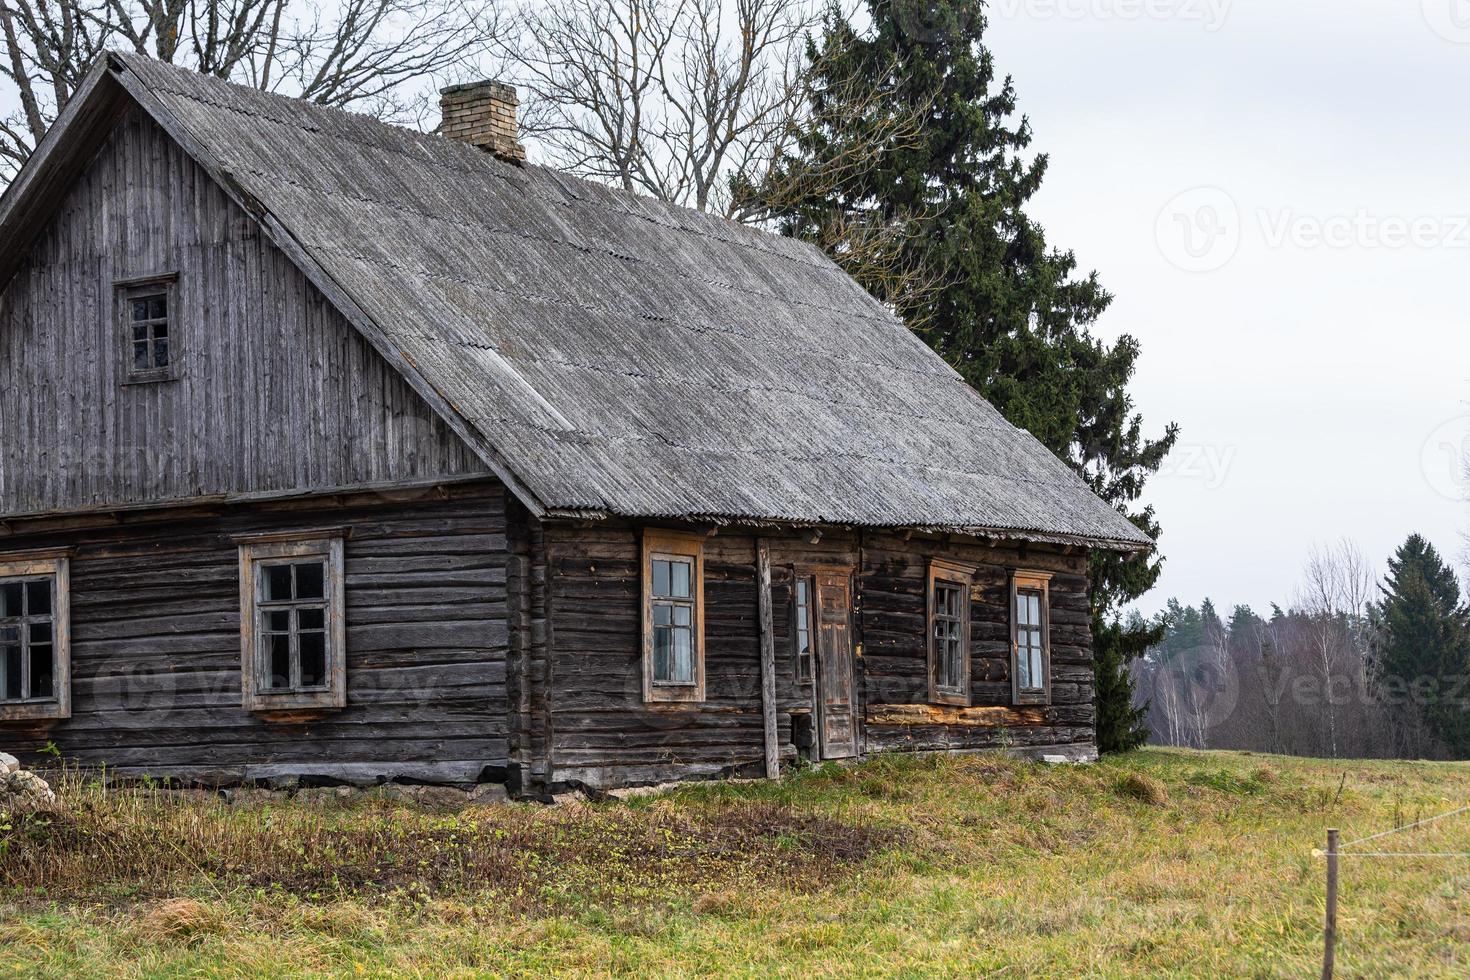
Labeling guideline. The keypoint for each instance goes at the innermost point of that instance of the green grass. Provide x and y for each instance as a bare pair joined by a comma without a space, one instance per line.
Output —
1160,863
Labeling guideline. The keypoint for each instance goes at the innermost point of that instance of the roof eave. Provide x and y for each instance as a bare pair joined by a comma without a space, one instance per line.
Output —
1089,542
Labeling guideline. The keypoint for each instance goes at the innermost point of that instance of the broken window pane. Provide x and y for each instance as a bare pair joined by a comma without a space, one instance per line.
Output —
38,598
309,580
277,583
40,633
11,672
278,621
313,659
279,646
10,600
41,672
311,619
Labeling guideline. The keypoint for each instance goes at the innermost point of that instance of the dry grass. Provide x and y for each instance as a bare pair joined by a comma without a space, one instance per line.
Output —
1159,864
150,842
1142,786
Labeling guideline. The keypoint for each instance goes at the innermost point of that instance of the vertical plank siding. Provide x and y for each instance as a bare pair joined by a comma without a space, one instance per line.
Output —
275,391
156,644
604,734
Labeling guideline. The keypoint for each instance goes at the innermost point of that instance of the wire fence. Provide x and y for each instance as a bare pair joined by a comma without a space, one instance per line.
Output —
1336,850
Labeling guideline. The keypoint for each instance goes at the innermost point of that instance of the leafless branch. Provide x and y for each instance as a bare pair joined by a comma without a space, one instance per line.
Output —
370,55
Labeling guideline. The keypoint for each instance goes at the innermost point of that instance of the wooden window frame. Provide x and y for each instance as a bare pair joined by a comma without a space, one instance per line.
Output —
800,576
679,546
124,291
1032,582
329,546
56,566
962,576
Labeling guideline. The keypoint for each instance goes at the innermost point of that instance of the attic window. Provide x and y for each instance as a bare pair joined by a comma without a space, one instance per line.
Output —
35,656
147,310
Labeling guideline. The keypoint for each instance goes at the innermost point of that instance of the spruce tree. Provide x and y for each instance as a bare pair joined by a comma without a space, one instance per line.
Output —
977,278
1423,635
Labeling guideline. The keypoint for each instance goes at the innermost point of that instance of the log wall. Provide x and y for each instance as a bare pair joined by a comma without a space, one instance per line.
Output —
603,734
156,643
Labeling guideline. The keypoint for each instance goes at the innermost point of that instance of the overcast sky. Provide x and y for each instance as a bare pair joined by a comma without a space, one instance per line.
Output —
1278,193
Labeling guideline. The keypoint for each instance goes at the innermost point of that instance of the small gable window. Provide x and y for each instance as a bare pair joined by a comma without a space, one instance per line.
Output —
673,616
147,309
949,632
1031,637
293,653
35,656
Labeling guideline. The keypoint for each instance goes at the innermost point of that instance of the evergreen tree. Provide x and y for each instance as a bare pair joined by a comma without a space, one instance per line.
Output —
1122,724
1423,632
976,277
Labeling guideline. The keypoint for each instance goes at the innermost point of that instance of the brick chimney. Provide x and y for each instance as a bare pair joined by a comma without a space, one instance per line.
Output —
483,114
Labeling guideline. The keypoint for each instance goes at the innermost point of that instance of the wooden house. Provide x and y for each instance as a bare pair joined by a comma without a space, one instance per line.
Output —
334,451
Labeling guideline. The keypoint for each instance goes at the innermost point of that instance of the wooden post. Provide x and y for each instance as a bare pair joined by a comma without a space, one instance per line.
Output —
768,659
1329,952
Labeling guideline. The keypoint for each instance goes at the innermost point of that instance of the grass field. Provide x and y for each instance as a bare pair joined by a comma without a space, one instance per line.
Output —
1160,863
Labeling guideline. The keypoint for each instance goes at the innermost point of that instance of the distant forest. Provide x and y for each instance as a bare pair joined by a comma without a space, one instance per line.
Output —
1356,665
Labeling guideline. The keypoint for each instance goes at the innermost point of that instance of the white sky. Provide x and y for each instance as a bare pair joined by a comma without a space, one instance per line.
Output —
1321,371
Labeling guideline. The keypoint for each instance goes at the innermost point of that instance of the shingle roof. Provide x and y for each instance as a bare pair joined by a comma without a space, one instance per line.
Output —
620,355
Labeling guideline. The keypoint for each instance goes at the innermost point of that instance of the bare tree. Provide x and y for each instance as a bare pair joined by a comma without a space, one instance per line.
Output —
367,54
667,97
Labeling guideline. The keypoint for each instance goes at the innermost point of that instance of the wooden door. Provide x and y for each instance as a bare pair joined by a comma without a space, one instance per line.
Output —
837,727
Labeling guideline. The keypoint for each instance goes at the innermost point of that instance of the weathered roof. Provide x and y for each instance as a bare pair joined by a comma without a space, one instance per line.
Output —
612,354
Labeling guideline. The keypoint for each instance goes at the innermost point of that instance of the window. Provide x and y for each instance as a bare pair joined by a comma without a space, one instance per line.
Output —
673,616
949,632
1030,639
293,654
803,630
35,655
146,307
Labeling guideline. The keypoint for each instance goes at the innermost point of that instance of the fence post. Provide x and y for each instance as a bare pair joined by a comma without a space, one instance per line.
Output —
1329,952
